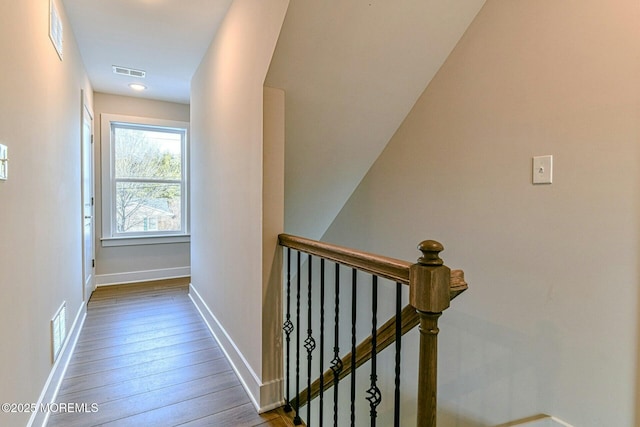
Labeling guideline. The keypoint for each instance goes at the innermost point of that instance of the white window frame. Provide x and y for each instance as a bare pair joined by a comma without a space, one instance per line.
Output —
110,237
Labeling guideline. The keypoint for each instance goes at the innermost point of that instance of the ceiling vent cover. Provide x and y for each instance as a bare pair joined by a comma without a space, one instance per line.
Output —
124,71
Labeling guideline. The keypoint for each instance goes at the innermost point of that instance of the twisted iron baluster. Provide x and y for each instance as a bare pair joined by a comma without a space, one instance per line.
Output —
336,363
354,277
321,409
396,407
288,328
297,420
374,397
309,343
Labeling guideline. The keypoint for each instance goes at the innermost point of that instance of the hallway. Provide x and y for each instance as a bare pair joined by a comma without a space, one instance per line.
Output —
145,357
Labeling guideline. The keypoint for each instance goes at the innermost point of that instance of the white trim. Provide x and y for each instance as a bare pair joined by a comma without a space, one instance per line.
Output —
560,422
144,240
108,189
52,385
543,421
142,276
264,396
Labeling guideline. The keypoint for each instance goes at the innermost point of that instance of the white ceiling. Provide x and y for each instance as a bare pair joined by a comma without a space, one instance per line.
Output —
165,38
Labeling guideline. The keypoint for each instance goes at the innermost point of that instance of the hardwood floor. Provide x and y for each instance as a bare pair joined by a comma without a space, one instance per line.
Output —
145,358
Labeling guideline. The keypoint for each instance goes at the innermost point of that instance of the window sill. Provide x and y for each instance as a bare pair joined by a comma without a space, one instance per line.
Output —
144,240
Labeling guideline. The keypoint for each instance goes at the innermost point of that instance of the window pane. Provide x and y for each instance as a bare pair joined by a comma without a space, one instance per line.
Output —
147,154
147,207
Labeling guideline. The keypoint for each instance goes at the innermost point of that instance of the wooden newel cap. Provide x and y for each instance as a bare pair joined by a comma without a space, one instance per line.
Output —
430,250
429,280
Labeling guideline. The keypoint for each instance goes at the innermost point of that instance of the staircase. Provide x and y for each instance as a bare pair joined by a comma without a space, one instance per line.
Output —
334,272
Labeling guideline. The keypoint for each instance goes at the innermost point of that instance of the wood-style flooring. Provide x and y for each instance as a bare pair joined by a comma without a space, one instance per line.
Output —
144,357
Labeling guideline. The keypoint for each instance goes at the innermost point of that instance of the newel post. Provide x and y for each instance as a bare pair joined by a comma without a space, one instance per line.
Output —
429,295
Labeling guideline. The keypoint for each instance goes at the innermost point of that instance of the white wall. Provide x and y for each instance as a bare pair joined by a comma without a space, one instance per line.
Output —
227,178
352,70
116,263
549,324
40,204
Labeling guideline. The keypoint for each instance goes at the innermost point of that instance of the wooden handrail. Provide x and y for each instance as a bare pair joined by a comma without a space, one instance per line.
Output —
389,268
457,285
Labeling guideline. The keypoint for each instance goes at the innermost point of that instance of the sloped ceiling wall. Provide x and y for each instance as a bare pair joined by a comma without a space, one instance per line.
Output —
351,72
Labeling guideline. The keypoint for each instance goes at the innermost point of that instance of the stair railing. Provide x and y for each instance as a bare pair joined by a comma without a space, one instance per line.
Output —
432,286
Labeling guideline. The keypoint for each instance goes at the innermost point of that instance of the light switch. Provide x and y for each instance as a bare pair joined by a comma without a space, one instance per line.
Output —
4,162
542,169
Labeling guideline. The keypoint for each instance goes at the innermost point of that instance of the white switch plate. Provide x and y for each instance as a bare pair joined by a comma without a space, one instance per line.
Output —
4,162
543,169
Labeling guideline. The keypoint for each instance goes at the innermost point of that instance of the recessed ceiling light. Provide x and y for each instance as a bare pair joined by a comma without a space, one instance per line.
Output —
137,86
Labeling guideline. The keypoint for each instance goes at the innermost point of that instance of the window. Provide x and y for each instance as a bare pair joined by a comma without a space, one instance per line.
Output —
144,187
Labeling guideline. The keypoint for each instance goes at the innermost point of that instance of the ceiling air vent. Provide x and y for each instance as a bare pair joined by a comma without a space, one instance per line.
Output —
124,71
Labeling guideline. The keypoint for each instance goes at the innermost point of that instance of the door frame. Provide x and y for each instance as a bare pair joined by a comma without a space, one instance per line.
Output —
87,162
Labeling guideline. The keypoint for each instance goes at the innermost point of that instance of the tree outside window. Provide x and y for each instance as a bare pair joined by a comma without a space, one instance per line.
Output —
148,178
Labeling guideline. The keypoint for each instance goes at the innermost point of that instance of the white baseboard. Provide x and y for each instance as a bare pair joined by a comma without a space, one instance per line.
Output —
264,396
142,276
52,386
541,421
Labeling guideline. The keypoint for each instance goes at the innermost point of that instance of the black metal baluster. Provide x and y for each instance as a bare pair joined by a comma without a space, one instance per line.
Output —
320,418
336,362
374,397
288,328
309,343
353,346
396,407
297,420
